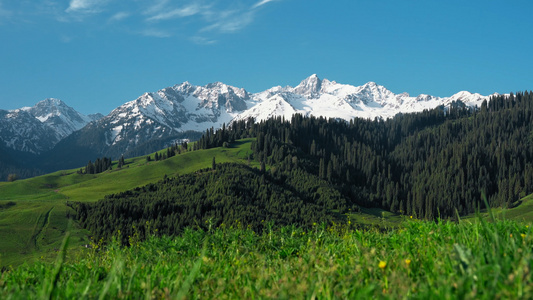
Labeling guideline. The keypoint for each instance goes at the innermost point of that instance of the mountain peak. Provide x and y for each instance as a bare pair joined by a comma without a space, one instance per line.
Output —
49,105
309,86
52,101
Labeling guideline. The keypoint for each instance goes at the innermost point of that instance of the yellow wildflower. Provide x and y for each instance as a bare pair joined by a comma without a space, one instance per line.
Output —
382,264
407,262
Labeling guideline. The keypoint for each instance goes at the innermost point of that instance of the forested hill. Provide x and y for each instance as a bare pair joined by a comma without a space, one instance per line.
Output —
435,163
228,194
426,164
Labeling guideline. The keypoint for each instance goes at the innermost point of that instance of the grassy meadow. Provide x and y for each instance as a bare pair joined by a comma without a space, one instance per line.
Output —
372,254
473,259
33,214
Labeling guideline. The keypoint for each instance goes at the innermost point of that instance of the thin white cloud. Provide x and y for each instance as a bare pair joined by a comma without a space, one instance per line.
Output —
66,39
4,13
200,40
261,3
86,6
155,33
230,21
199,21
186,11
156,7
119,16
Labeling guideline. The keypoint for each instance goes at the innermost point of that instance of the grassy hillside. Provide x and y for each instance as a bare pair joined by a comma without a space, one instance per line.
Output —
34,217
521,211
33,214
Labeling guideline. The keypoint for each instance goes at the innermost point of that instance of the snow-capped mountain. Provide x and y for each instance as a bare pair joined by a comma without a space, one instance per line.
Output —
330,99
155,120
171,111
62,118
39,128
168,114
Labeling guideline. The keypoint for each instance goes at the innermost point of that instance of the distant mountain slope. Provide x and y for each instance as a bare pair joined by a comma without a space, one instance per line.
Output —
39,128
16,162
65,138
172,110
170,115
175,112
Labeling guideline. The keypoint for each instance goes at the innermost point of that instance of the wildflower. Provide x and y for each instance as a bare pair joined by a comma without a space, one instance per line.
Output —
511,235
411,217
382,264
407,262
523,235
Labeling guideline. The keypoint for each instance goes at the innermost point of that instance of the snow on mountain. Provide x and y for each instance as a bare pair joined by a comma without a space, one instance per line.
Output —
55,114
39,128
330,99
21,131
186,107
172,110
175,111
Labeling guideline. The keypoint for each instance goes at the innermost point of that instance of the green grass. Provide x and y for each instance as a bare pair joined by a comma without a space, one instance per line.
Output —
34,226
523,210
421,260
376,217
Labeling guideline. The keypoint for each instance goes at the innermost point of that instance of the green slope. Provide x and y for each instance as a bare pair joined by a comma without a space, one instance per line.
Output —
522,211
33,214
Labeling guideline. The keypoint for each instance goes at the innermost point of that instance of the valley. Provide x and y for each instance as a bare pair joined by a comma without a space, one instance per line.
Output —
306,195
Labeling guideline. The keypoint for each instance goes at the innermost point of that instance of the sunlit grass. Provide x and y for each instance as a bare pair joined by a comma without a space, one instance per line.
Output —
33,197
425,260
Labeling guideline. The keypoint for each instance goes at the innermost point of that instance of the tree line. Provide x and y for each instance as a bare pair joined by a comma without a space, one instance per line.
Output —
429,164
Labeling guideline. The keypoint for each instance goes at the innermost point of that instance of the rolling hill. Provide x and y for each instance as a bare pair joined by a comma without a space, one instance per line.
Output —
33,214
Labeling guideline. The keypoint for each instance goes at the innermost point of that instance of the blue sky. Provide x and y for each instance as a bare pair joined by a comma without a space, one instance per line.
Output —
98,54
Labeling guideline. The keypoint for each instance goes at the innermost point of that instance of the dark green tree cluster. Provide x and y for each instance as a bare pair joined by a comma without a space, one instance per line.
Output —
237,130
170,152
426,164
99,166
121,162
154,145
233,194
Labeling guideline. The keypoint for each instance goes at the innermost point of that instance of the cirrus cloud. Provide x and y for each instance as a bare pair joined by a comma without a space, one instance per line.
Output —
200,21
86,6
4,13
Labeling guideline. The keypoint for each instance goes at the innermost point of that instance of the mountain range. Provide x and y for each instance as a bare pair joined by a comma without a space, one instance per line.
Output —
60,137
39,128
